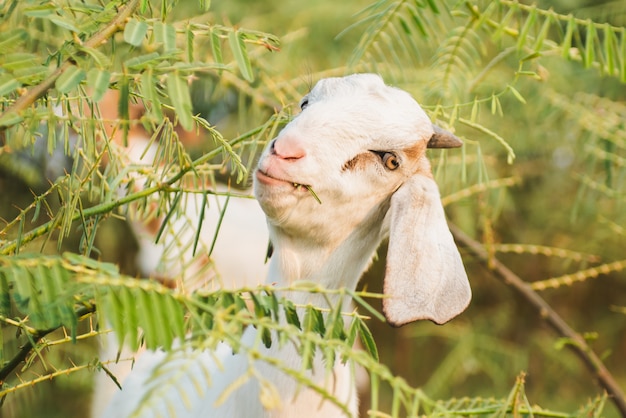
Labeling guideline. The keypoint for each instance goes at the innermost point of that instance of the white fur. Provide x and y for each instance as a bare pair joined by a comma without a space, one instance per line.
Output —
237,260
334,146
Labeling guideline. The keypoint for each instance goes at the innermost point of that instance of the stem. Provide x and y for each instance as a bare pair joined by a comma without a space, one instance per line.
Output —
23,102
32,342
579,346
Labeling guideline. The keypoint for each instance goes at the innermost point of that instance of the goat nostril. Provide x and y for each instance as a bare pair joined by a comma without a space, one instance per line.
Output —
287,149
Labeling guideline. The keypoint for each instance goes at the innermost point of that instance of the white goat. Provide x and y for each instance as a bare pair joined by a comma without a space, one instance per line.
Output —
360,145
242,231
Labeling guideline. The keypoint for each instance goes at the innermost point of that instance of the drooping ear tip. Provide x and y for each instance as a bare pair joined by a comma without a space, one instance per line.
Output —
399,322
444,139
398,314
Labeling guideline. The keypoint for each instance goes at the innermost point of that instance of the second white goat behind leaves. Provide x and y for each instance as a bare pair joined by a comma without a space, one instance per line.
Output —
360,145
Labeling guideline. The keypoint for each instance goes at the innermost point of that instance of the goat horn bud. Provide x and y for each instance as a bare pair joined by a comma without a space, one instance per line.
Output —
443,139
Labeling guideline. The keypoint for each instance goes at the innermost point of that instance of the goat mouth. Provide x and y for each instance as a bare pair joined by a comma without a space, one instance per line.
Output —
265,178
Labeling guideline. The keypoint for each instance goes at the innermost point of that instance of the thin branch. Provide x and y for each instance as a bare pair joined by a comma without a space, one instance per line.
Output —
23,102
33,340
578,345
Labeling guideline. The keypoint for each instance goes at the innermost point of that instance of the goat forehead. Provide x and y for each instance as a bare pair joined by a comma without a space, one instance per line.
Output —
362,106
362,122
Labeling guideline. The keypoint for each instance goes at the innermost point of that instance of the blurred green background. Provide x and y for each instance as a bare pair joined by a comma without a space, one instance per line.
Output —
566,194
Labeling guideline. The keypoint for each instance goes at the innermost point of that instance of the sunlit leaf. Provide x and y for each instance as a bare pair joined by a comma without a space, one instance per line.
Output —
9,41
238,46
216,47
17,60
135,32
178,91
129,323
41,10
148,322
528,24
98,80
7,84
100,59
567,39
10,118
63,23
609,49
142,61
165,34
70,79
517,94
150,96
589,56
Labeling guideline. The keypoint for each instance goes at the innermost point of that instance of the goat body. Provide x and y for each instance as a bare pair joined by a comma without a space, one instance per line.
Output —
360,145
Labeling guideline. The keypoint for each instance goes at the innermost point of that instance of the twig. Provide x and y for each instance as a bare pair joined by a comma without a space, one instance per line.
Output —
33,340
579,345
23,102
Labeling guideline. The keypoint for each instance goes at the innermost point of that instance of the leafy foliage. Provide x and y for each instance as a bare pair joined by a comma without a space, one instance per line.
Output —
472,63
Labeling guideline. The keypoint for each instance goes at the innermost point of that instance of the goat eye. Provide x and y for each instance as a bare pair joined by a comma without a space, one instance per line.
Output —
304,103
390,161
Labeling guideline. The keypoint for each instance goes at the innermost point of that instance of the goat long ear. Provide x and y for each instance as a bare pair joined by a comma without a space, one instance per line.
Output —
425,277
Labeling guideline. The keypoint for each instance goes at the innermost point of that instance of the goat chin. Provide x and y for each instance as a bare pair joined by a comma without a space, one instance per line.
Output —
348,171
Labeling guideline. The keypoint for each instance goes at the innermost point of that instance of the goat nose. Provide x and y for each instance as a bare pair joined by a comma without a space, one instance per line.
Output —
287,149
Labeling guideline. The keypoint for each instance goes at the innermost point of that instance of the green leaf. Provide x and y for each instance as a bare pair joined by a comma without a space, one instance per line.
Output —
8,84
123,108
622,69
165,34
314,321
5,301
291,315
260,310
158,307
19,60
100,59
335,326
148,322
143,7
10,119
43,10
433,6
266,337
63,23
417,19
543,32
567,40
216,47
115,310
528,24
238,46
175,317
31,75
128,327
517,94
367,339
148,90
205,5
70,79
190,47
178,90
9,41
609,49
589,56
135,32
98,80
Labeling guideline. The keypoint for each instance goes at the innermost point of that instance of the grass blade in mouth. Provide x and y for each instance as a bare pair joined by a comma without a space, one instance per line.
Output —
310,189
